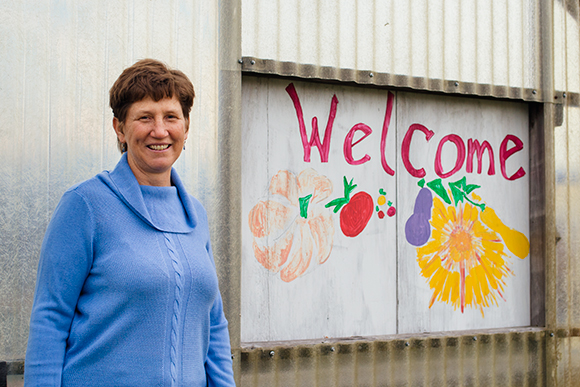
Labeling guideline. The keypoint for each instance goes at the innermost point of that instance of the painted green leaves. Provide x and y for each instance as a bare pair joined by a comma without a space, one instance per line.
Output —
339,202
460,191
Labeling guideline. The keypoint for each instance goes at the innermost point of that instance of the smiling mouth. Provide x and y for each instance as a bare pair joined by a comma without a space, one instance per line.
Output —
158,147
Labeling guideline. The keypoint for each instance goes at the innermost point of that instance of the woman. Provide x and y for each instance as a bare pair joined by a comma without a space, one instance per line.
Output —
127,292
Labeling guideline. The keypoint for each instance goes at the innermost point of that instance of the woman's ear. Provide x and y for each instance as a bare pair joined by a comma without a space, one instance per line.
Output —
118,126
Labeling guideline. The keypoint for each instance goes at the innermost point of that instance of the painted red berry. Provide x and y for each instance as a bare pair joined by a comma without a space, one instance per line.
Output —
391,211
381,214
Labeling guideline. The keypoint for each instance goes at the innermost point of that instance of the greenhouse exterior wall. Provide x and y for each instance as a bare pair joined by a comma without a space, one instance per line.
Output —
60,58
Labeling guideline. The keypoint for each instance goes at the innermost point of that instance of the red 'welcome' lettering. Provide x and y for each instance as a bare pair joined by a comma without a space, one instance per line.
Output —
324,148
347,148
474,147
505,153
406,148
458,161
386,123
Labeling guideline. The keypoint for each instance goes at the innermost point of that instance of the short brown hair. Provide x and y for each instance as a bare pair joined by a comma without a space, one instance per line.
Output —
149,78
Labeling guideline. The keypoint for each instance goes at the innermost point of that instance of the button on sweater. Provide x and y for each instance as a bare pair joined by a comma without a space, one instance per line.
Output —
127,293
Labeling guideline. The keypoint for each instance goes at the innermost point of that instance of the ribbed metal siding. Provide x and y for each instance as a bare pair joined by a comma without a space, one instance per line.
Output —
503,359
494,43
58,61
564,297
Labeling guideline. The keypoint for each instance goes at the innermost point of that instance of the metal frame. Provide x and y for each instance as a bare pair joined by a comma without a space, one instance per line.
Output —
251,65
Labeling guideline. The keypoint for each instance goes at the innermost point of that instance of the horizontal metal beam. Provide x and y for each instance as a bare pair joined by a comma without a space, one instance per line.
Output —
370,78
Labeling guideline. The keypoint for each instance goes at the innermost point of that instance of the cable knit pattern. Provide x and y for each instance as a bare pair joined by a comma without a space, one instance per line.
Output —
175,320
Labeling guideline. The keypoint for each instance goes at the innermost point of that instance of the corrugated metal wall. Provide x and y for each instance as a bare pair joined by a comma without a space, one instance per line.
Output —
564,297
494,44
503,359
60,57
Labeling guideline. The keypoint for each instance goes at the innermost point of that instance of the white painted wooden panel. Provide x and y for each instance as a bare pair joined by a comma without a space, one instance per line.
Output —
464,243
353,293
481,256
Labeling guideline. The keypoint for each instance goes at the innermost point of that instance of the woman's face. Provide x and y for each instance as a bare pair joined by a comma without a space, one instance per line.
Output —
155,133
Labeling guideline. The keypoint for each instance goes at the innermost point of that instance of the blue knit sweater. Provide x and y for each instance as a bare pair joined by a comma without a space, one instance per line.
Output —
126,292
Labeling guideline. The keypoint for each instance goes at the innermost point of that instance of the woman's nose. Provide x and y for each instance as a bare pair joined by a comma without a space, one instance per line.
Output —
159,128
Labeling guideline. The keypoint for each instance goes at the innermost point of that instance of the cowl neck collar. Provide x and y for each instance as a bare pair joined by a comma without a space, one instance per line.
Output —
123,183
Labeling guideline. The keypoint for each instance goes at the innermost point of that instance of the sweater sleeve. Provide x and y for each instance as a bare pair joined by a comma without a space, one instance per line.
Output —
218,364
65,261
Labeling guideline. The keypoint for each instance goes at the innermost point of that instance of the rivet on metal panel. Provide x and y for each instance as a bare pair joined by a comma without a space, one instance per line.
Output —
271,353
456,84
371,75
240,61
252,62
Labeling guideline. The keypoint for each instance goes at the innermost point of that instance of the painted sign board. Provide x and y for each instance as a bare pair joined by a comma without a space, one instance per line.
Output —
371,212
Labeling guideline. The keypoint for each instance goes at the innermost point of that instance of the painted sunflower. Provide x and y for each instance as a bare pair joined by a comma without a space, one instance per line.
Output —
465,261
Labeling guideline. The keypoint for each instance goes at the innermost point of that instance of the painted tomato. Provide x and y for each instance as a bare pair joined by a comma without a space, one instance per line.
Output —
356,214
